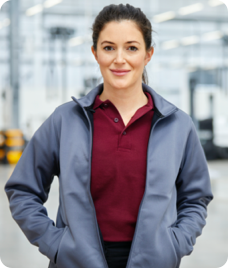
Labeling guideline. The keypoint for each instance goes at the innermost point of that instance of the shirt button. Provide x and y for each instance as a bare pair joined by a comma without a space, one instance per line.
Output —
105,104
116,120
124,133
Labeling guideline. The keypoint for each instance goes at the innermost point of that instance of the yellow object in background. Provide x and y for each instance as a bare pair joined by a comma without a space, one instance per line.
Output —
2,154
13,133
12,144
13,156
2,139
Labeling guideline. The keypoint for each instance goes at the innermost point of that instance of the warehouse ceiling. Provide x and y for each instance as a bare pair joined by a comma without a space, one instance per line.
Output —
181,28
207,9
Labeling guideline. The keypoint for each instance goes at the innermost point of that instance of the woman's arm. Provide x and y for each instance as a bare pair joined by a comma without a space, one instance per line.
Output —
28,187
193,194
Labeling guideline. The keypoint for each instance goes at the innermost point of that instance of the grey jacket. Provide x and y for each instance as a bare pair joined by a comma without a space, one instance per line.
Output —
173,209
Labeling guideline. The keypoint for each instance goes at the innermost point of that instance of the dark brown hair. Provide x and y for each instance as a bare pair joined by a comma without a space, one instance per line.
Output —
123,12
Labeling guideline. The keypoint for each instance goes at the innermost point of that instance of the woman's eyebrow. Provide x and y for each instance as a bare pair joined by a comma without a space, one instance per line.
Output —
107,42
132,42
128,42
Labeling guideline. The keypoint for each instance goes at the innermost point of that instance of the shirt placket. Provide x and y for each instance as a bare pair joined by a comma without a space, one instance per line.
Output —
124,138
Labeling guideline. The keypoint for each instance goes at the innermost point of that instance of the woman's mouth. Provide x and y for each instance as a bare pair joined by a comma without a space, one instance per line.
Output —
119,72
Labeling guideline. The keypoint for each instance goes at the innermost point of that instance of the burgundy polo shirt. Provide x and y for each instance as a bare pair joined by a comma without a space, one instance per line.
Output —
119,160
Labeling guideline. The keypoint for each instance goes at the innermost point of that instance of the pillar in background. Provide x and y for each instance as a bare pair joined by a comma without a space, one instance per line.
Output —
14,39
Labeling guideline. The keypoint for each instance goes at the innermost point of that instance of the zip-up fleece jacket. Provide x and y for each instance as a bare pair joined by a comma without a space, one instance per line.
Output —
172,211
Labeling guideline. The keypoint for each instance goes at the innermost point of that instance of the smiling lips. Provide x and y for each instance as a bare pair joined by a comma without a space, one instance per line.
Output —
119,72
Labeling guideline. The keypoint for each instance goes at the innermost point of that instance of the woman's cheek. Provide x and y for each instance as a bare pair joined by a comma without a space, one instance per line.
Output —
137,61
105,60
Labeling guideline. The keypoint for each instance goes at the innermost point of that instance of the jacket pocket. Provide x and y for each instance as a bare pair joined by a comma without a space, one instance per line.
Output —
175,236
60,244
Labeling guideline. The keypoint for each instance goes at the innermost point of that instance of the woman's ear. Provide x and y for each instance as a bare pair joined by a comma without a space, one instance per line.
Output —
149,55
94,52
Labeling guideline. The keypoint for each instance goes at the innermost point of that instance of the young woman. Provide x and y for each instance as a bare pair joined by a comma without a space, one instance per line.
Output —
133,179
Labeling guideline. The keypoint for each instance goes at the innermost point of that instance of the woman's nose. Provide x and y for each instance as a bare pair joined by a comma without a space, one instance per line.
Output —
119,57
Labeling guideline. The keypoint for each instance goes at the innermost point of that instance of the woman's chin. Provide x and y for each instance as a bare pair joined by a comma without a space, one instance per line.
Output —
121,84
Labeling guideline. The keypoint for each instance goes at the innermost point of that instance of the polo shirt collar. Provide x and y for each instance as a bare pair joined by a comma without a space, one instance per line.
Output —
161,104
98,102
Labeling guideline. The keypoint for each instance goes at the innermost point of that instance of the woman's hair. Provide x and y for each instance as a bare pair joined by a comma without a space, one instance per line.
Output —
123,12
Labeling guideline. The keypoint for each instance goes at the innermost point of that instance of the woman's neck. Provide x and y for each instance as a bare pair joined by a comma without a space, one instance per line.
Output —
126,100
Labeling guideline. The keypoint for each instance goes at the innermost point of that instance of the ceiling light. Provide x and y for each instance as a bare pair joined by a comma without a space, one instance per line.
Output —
191,9
77,62
212,36
39,8
192,69
34,10
5,23
190,40
164,16
215,3
51,3
209,67
170,44
177,65
76,41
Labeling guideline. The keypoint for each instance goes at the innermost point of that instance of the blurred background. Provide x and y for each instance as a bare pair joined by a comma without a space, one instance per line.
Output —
45,58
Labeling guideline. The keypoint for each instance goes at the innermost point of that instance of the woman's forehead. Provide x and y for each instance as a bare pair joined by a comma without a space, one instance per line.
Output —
125,30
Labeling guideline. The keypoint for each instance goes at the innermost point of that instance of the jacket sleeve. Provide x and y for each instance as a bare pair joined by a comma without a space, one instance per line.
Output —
28,187
193,194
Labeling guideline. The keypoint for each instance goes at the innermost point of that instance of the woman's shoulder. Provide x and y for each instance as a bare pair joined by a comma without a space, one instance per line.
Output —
183,115
66,109
166,108
64,113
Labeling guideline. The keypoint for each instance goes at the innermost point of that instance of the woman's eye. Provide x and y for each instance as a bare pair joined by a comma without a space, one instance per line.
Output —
132,48
108,48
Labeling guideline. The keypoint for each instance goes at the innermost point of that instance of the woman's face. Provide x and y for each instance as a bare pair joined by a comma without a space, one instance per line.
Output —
121,54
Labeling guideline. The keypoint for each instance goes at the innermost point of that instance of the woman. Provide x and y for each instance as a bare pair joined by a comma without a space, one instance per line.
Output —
133,178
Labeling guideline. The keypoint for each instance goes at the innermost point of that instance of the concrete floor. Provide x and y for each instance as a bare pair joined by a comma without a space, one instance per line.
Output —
210,251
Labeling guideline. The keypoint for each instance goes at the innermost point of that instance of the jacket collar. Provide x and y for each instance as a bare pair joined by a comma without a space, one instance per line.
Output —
162,105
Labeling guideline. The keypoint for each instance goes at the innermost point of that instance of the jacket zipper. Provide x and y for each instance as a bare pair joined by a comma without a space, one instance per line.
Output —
91,200
137,222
